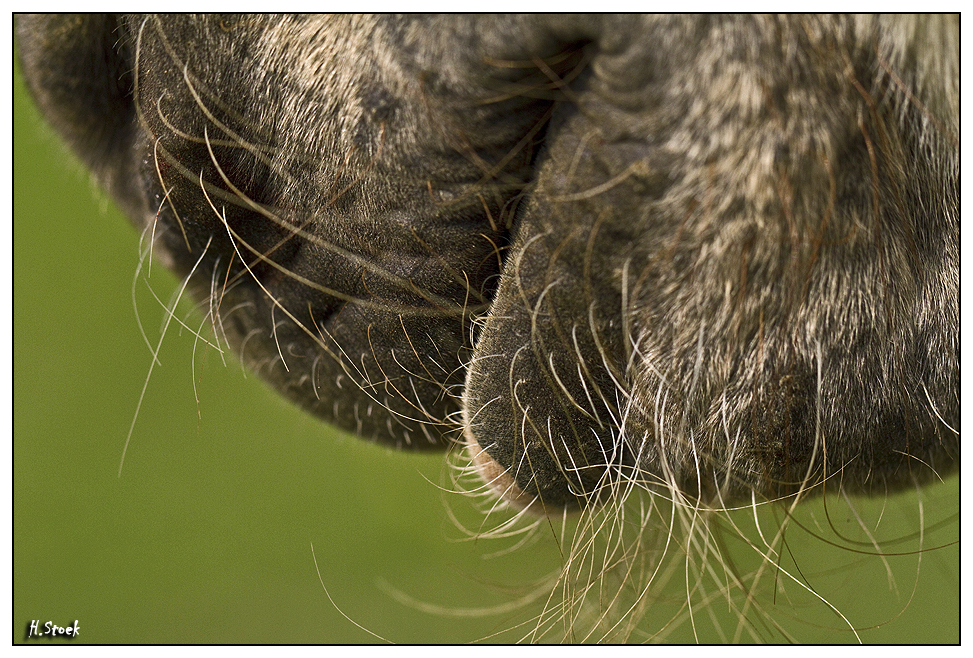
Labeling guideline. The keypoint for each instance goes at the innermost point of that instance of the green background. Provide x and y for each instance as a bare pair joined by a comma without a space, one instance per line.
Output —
206,536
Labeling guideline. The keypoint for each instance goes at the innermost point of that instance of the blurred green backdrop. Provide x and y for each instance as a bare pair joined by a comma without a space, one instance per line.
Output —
206,535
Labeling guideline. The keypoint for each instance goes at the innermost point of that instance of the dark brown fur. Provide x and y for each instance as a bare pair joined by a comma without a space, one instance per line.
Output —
712,256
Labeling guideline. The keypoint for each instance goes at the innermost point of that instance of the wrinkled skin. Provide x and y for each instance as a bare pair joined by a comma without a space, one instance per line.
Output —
719,255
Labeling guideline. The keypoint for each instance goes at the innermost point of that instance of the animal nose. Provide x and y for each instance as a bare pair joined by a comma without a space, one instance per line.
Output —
544,390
